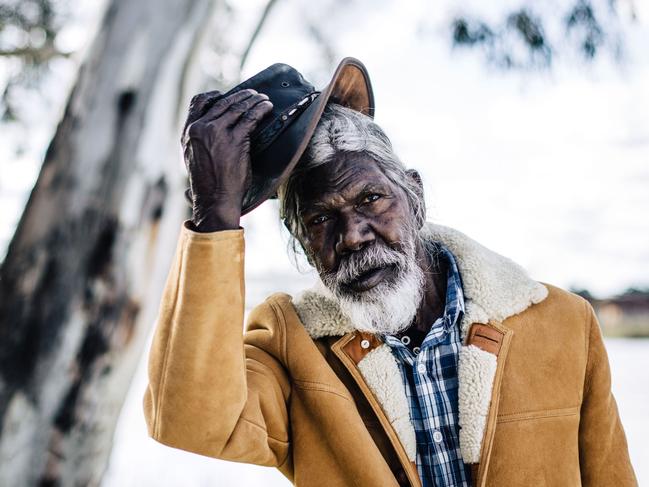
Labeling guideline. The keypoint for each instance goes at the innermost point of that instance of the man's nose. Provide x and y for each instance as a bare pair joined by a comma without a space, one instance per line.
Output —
354,234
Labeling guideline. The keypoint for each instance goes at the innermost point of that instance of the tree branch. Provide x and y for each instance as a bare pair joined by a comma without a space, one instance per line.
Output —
255,34
38,54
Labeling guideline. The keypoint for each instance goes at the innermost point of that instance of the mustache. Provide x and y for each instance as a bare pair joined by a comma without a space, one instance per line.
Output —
354,265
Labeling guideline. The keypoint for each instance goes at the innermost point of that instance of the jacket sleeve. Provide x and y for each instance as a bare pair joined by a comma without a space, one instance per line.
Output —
210,392
603,452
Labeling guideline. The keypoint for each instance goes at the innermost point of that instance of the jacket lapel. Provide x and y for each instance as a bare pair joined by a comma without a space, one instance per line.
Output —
372,365
480,370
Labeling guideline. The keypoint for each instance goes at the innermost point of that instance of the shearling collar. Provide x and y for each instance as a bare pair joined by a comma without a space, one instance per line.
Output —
495,287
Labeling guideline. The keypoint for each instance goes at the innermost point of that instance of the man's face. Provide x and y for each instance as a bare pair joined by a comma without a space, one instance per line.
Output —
360,234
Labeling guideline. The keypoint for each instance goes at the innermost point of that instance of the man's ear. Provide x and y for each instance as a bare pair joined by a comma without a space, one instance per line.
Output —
416,178
418,186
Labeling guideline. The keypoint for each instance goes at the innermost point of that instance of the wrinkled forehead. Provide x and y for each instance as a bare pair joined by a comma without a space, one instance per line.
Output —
345,175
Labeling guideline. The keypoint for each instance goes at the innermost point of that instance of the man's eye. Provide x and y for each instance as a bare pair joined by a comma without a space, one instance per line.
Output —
371,198
319,219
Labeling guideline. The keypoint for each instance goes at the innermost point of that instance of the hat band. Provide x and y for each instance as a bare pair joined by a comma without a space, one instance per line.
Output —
268,135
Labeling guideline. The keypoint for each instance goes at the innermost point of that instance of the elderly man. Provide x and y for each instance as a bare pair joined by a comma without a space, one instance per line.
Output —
421,358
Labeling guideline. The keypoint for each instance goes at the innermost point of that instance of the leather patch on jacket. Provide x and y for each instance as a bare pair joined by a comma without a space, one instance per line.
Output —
485,338
361,345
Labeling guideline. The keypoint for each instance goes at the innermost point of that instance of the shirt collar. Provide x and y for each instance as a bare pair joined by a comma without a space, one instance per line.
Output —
454,307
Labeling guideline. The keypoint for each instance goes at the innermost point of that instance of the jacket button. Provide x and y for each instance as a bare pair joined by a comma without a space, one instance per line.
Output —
365,344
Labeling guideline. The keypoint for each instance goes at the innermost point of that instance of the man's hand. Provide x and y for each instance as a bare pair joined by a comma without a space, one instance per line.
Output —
216,147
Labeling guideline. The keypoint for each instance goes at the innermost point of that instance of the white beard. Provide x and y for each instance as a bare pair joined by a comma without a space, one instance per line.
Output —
389,307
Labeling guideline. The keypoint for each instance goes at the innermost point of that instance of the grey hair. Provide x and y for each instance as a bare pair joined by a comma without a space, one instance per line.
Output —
343,130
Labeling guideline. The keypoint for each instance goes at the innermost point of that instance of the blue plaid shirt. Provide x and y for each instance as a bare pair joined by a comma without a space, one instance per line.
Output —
430,378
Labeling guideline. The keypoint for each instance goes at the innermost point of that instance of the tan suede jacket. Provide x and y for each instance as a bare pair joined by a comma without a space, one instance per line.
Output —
303,391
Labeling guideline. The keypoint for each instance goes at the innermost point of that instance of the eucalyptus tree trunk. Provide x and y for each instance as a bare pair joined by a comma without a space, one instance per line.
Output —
80,284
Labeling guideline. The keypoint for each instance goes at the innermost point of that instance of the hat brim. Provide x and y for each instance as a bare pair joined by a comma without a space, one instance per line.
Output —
349,86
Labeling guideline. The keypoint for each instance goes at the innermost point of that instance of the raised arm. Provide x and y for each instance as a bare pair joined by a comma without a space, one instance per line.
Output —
209,392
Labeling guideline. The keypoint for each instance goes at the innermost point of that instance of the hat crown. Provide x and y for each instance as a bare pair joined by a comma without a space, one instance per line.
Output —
282,136
283,85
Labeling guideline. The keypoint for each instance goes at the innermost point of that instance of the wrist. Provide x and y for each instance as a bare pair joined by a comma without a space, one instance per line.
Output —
215,226
215,220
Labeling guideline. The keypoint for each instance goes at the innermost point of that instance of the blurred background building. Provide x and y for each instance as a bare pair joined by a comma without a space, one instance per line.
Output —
528,121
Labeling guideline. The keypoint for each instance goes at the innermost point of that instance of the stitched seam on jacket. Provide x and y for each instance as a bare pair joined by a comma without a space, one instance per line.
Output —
263,428
163,373
260,373
550,413
277,309
282,331
589,329
250,422
306,385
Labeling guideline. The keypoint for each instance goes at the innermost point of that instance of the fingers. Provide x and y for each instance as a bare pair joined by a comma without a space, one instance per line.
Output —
249,118
224,104
212,104
241,112
242,109
199,104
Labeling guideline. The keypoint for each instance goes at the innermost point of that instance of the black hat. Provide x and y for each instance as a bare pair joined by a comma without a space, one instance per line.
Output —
282,136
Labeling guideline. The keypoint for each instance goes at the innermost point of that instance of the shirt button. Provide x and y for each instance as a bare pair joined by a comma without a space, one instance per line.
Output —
437,436
416,350
421,368
365,344
405,340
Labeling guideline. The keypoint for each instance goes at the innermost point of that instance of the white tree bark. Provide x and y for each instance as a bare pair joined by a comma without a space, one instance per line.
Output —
80,285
